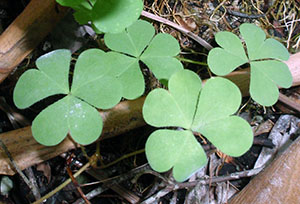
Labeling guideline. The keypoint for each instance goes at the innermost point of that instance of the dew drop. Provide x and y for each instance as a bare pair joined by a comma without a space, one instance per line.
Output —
78,105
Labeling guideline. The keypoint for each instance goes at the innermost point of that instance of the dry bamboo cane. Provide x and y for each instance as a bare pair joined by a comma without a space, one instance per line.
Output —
278,183
26,32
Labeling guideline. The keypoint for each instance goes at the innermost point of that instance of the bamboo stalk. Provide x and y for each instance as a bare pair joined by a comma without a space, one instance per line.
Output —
278,183
26,32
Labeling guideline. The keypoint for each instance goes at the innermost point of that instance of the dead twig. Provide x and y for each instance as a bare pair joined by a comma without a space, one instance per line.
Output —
110,182
204,181
236,13
179,28
33,188
286,100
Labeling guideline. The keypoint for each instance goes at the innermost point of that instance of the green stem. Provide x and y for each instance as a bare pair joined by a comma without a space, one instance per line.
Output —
191,61
123,157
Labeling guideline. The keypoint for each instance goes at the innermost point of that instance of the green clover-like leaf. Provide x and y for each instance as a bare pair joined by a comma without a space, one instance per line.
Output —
187,106
83,9
92,81
264,57
137,43
68,115
93,86
179,149
34,85
106,16
113,16
219,99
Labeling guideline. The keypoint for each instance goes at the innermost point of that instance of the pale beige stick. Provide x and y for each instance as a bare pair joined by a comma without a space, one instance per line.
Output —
278,183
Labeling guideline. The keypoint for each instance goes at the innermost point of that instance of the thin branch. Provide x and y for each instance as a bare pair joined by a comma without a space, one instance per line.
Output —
179,28
203,181
286,100
26,180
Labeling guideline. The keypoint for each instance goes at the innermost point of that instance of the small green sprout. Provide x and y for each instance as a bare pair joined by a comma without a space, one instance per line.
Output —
264,57
92,86
190,108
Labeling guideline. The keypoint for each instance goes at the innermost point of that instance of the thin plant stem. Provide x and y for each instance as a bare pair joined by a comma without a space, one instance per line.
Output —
61,186
191,61
123,157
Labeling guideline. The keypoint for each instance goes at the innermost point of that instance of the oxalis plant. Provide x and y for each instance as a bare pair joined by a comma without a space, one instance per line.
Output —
100,80
187,108
93,86
264,56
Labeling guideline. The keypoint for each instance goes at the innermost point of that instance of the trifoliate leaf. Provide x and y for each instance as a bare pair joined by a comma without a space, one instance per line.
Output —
178,149
50,78
264,55
93,84
138,42
113,16
208,111
68,115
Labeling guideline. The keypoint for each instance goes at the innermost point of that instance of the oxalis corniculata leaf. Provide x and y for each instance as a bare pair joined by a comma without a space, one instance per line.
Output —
188,108
138,43
265,57
75,113
107,16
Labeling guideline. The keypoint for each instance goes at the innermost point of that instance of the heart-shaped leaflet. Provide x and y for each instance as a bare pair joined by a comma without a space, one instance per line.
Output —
191,109
264,57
